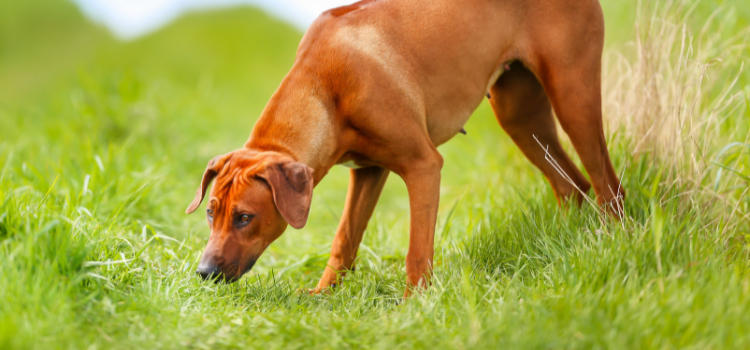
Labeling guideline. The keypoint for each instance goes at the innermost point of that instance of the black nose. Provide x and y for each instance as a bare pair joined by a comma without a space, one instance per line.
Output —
209,271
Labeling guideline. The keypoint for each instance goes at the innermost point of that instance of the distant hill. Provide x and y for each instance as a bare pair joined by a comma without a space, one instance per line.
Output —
44,42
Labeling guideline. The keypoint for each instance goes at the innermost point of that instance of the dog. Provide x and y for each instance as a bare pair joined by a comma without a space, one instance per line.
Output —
377,86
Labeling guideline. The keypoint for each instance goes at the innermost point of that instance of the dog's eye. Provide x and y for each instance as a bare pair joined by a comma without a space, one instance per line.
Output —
243,220
210,213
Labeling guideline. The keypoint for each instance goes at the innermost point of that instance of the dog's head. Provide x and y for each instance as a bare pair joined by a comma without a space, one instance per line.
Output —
254,197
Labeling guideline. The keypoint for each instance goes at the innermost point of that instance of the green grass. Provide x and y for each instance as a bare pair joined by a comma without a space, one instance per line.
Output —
103,143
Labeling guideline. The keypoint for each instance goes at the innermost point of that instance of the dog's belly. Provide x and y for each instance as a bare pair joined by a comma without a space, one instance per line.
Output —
449,115
443,128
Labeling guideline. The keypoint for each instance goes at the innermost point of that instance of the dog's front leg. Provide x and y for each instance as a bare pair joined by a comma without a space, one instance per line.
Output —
422,180
365,186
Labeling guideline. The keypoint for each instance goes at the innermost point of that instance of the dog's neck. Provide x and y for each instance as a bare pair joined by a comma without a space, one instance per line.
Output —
297,122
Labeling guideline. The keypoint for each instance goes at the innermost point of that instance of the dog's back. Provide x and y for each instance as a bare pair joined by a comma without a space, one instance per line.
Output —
440,56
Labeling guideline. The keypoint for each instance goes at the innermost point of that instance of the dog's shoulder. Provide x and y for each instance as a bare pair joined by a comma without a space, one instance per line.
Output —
344,10
346,30
362,13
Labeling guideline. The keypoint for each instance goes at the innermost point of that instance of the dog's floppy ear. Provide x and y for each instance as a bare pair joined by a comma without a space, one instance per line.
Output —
212,169
292,186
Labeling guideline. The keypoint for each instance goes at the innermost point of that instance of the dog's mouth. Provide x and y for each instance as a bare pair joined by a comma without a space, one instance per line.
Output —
225,279
242,271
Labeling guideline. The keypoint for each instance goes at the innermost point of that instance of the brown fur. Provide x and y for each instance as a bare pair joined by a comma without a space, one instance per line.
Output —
380,84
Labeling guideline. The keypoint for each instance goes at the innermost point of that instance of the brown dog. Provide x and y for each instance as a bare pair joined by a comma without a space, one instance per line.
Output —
377,85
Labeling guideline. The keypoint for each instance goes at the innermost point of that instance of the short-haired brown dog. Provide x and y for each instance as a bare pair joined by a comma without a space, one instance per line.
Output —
378,85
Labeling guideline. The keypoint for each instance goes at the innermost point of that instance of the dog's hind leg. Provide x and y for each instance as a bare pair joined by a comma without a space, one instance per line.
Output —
365,186
524,111
568,64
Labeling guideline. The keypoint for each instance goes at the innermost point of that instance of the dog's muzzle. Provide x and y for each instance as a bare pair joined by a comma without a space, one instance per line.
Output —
210,272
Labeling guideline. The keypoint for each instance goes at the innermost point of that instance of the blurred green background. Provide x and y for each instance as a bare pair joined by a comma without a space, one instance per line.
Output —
103,142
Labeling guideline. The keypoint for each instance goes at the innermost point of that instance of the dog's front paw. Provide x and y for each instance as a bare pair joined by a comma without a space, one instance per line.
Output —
319,290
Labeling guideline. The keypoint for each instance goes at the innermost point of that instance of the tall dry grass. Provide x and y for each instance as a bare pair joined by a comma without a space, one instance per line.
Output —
673,95
672,89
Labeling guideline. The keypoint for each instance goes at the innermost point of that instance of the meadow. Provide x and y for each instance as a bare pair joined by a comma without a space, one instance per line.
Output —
102,144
